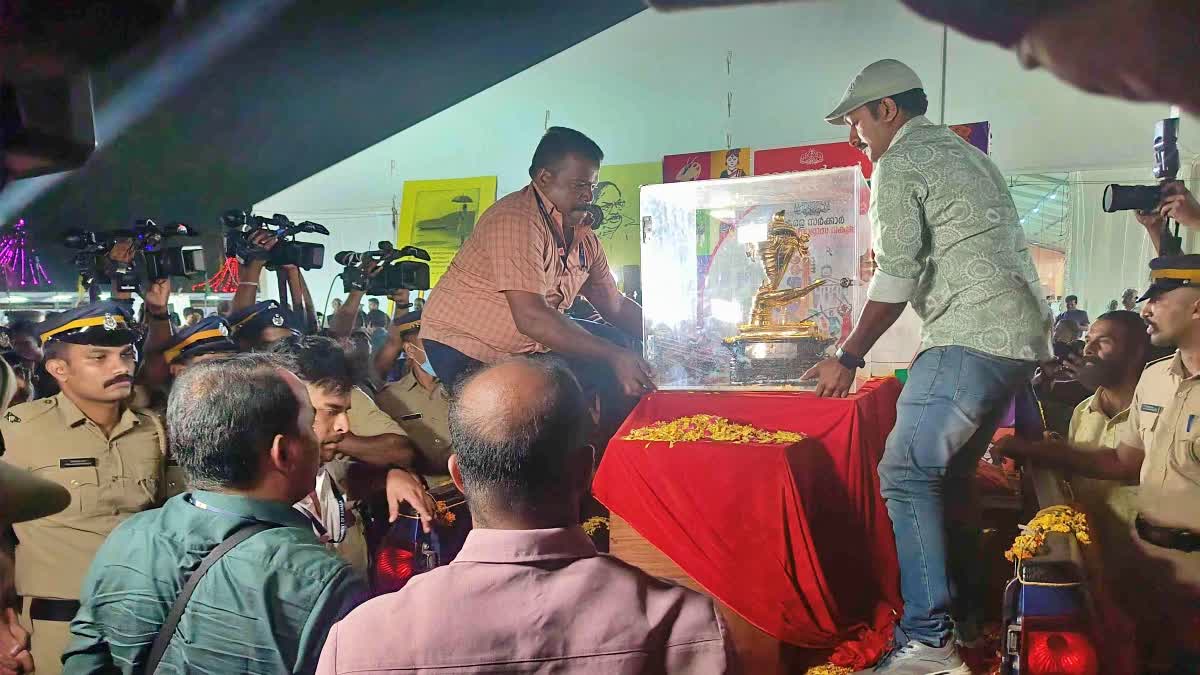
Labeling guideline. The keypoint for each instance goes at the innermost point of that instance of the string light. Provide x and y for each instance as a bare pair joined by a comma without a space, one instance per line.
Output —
19,260
224,281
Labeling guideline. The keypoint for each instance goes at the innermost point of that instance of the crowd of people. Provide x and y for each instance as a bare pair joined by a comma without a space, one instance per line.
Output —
270,451
206,495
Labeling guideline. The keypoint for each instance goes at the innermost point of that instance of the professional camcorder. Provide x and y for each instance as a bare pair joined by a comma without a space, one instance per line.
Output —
395,275
1146,198
152,260
302,254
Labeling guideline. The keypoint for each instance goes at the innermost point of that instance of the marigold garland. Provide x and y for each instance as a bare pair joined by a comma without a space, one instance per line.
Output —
710,428
828,669
443,514
1054,519
594,524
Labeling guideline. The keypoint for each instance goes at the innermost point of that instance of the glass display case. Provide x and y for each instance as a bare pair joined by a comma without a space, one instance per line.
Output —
748,282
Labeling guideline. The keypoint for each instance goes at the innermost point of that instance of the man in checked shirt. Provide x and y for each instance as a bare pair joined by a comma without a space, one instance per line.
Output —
528,258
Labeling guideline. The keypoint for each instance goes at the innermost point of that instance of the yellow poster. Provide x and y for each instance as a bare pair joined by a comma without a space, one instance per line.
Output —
617,196
439,215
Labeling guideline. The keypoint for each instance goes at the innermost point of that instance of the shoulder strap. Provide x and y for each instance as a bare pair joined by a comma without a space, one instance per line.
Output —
168,628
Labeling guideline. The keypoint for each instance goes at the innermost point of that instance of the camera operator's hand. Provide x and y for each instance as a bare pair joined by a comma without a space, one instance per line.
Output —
1151,220
1179,204
369,269
633,374
122,251
157,295
372,268
402,299
263,240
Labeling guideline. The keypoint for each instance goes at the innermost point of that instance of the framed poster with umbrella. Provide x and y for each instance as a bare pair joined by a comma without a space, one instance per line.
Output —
439,215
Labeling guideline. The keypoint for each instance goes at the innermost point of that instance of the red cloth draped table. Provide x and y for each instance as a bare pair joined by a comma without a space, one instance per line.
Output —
795,539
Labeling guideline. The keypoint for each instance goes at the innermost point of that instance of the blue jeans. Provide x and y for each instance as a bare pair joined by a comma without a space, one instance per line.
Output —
947,413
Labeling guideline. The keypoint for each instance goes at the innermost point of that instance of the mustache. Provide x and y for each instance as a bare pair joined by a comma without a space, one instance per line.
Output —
120,379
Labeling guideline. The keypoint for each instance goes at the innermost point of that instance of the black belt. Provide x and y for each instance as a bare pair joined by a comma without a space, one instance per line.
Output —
1168,537
45,609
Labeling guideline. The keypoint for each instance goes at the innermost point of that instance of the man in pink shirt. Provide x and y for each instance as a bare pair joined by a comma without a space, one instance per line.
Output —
529,593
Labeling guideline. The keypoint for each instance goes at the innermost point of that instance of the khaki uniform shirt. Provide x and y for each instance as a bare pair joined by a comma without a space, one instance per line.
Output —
1164,421
1091,427
152,401
109,479
366,419
430,432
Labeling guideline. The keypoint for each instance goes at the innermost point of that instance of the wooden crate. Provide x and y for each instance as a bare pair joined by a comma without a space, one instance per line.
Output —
759,652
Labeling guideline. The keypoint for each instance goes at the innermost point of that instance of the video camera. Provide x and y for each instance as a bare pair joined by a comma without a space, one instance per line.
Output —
156,260
1146,198
396,275
288,251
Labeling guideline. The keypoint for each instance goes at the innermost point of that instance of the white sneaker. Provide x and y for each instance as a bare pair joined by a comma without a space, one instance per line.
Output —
917,658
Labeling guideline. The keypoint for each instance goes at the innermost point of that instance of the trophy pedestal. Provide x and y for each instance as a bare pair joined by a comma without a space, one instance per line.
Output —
775,355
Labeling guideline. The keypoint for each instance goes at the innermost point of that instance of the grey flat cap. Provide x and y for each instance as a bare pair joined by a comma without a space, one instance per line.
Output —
24,496
878,80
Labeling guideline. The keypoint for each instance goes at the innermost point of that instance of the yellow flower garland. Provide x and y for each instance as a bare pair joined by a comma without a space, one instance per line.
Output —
594,524
1054,519
443,514
828,669
710,428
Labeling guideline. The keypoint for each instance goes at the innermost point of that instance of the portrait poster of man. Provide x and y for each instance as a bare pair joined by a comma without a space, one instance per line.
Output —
617,195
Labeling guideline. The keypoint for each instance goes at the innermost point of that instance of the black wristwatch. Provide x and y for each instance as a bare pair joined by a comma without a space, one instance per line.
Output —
850,361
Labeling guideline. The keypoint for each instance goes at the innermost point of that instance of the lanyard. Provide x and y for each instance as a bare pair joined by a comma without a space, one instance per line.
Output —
562,244
317,525
191,499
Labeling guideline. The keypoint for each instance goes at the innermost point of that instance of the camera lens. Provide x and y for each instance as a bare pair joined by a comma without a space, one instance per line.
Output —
1130,198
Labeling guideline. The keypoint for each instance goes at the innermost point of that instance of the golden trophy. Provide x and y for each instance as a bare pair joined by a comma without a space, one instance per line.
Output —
766,351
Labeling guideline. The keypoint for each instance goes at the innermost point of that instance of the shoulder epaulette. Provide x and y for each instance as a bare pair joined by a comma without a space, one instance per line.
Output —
1160,360
29,411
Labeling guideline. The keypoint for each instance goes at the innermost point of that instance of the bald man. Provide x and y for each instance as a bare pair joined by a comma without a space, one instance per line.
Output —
519,430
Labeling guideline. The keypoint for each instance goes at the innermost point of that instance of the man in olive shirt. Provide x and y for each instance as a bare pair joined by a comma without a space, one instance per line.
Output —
108,456
242,429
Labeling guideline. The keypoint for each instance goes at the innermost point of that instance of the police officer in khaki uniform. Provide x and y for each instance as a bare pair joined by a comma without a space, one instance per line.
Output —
364,451
206,339
1160,447
262,324
418,401
108,456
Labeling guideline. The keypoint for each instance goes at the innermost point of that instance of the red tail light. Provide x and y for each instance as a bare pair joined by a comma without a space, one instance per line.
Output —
393,568
1050,649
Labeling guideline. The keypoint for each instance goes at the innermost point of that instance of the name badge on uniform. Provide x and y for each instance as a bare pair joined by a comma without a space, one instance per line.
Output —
1146,407
76,462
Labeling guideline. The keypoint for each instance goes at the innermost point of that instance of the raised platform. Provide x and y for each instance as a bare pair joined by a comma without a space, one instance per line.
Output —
759,652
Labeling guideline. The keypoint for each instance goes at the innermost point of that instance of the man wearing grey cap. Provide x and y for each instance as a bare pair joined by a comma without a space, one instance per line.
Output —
947,241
